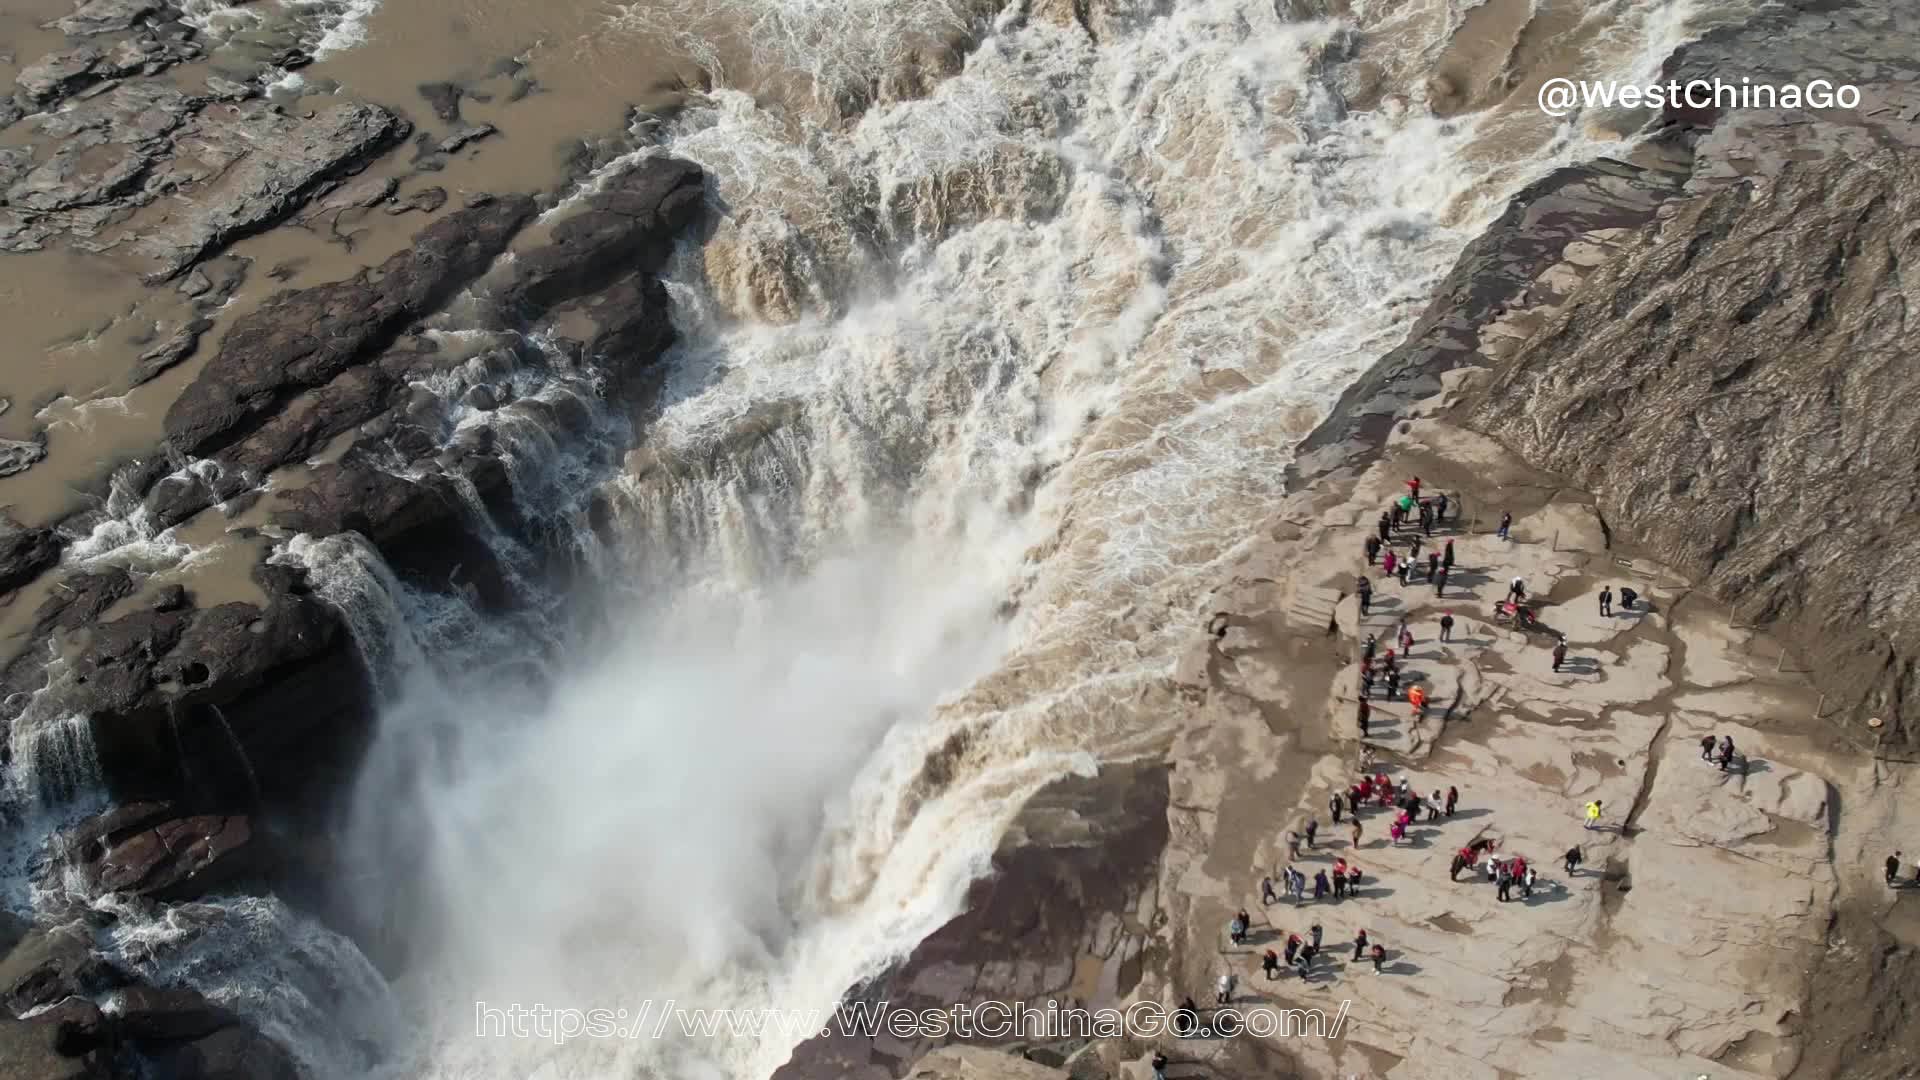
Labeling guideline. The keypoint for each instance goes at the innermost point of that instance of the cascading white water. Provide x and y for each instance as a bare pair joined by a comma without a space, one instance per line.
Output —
1038,342
972,394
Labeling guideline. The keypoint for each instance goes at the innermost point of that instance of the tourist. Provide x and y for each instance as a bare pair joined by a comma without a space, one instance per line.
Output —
1405,566
1353,879
1593,814
1393,682
1433,805
1366,715
1293,946
1313,829
1356,829
1365,591
1417,698
1366,691
1517,590
1706,748
1453,798
1526,882
1159,1066
1293,844
1359,945
1389,561
1559,653
1270,963
1446,556
1333,806
1433,566
1506,522
1440,511
1373,548
1627,597
1413,488
1446,626
1405,639
1458,864
1237,929
1893,869
1379,958
1606,602
1386,527
1186,1018
1572,858
1726,752
1367,649
1413,550
1320,886
1267,895
1225,994
1440,583
1503,877
1315,931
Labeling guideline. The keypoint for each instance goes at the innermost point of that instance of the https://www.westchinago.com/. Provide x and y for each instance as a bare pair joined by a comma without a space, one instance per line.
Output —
976,1020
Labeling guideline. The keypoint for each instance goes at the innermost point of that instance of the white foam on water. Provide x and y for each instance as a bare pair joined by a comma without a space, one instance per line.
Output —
974,392
1046,335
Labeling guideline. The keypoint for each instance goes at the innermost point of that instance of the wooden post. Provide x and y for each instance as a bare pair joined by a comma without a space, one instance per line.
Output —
1820,709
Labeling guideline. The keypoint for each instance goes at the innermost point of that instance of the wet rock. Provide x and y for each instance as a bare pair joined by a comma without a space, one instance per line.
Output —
157,851
628,226
106,16
170,598
417,525
426,200
229,705
262,166
464,136
1729,390
14,162
48,966
230,90
17,456
357,194
33,1050
106,147
304,339
24,552
444,97
59,74
176,348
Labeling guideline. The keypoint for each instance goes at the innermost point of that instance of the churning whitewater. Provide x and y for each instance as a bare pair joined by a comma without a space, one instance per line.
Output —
978,373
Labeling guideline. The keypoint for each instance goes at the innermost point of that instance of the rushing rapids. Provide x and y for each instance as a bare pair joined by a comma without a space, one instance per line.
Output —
1001,336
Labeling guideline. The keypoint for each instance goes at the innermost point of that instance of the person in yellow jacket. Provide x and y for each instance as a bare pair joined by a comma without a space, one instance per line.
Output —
1593,814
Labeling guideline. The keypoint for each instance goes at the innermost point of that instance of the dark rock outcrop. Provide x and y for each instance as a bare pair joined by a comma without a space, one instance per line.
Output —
1738,391
303,340
24,552
1065,883
157,851
145,1031
219,707
629,226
